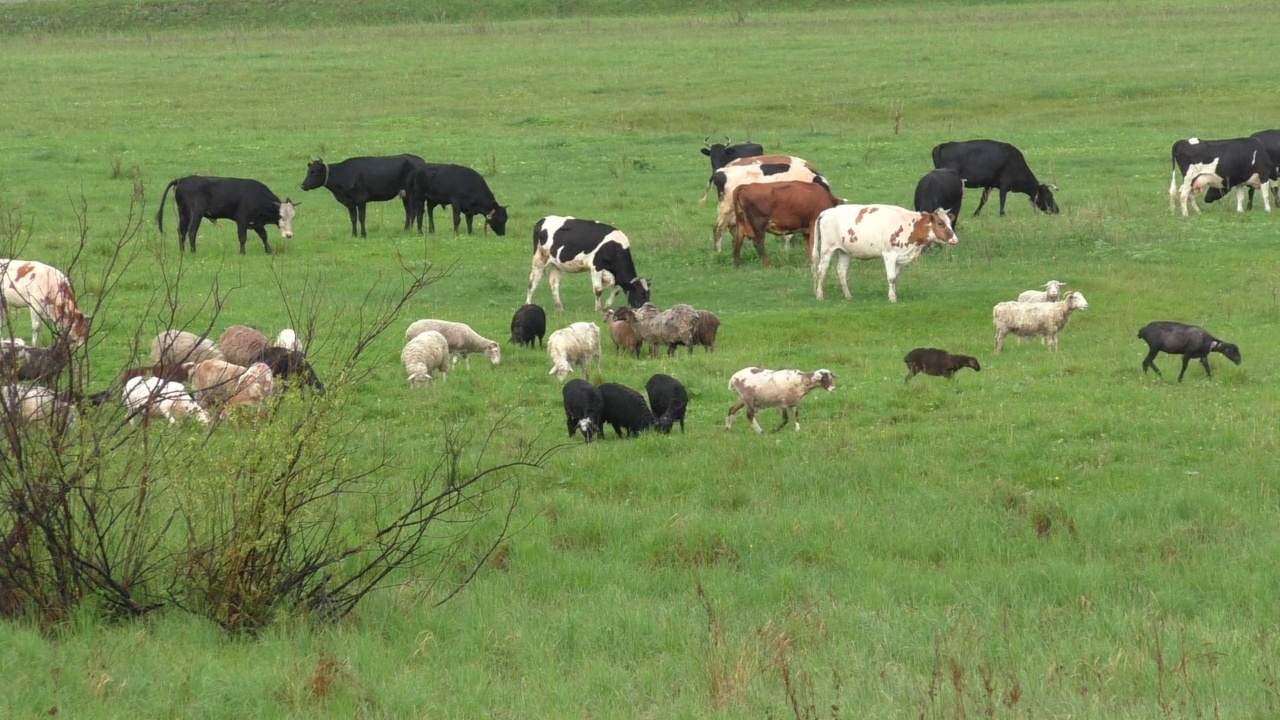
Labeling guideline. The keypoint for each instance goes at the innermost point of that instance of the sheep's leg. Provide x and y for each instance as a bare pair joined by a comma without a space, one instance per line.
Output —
1185,360
728,421
785,419
891,271
1204,360
751,415
911,372
1000,333
796,411
1150,362
1053,342
553,279
842,270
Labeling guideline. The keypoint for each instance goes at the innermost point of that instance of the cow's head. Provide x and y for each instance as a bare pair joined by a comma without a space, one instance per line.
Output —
1043,199
497,219
637,292
317,175
933,227
288,209
719,153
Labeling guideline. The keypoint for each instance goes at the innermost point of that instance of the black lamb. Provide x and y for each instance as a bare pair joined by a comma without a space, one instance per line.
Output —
288,364
625,408
1189,341
583,408
530,321
36,364
669,401
932,361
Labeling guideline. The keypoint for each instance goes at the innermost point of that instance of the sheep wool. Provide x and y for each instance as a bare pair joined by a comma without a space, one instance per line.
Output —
461,338
1027,319
425,353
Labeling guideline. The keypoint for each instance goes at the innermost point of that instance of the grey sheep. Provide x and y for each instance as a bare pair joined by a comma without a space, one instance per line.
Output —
673,327
174,347
1189,341
239,343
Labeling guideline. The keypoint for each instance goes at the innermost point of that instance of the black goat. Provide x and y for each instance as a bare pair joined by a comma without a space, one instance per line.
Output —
583,408
1189,341
932,361
625,408
669,401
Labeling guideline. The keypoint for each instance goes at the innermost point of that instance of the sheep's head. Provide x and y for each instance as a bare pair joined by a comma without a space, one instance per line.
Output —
494,352
1229,350
561,371
1052,290
823,378
969,361
588,429
1075,301
417,380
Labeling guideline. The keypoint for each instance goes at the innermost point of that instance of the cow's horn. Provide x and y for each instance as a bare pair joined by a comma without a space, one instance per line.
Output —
1052,187
727,141
707,141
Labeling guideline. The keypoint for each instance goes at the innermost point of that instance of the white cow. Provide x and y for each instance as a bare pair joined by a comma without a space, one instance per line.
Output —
48,293
866,232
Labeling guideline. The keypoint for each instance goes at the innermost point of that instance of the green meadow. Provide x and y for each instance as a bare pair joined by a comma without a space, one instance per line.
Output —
1056,536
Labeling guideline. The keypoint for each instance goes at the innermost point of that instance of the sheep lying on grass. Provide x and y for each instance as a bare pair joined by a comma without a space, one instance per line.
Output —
758,388
152,397
23,404
424,354
239,343
214,381
1189,341
578,345
669,401
625,408
461,338
932,361
174,347
583,408
290,366
1043,319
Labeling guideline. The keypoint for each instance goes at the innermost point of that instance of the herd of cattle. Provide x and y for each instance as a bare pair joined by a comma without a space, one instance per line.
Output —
758,194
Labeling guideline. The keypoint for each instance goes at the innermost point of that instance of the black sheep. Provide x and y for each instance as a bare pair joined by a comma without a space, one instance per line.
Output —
932,361
625,408
530,321
669,401
583,408
285,364
36,364
1189,341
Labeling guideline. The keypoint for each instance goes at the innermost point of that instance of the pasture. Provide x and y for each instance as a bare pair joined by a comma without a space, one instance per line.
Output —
1057,535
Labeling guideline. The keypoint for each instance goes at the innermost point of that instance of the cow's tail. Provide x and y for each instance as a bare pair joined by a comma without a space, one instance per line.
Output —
160,212
707,192
815,241
937,156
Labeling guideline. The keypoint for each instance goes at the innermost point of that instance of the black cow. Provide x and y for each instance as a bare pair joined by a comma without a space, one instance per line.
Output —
1270,140
941,189
722,154
566,244
993,165
460,187
250,203
357,181
1219,166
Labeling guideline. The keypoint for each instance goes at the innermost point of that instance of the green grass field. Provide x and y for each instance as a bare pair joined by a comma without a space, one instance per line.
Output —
1056,536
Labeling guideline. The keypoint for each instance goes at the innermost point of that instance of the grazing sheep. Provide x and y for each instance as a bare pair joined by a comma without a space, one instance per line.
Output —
25,404
288,339
583,408
1051,292
932,361
36,364
758,388
669,401
676,326
1043,319
577,344
529,321
462,339
215,381
174,347
174,373
239,343
289,365
424,354
623,334
1189,341
708,328
625,408
152,397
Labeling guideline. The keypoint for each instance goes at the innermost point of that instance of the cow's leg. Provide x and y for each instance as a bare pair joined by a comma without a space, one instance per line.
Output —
759,242
535,277
431,217
184,225
192,229
262,233
1173,192
408,210
891,271
722,222
355,217
363,228
597,287
737,247
759,230
1240,197
1266,195
35,326
1004,193
986,193
553,279
842,269
728,421
1249,205
820,273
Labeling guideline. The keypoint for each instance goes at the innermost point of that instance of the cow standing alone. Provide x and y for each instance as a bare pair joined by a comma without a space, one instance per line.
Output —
994,165
567,244
357,181
866,232
250,203
1220,165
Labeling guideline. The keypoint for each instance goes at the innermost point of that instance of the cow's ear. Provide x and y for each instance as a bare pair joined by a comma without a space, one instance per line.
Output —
706,151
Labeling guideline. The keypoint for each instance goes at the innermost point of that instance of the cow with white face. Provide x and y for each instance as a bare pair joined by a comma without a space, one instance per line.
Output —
1217,166
249,203
567,244
866,232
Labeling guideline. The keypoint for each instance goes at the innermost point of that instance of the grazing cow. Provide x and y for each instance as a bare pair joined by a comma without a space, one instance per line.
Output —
762,169
358,181
1270,140
941,189
567,244
780,208
250,203
47,292
895,234
722,154
459,186
1218,166
993,165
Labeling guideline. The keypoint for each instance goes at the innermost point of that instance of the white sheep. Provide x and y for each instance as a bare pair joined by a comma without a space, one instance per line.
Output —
174,347
577,344
424,354
461,338
215,381
33,403
288,339
153,396
254,385
758,388
1051,293
1043,319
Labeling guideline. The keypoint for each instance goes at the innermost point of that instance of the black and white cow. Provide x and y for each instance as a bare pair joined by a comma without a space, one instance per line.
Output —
994,165
722,154
460,187
1270,140
250,203
940,189
360,180
567,244
1218,166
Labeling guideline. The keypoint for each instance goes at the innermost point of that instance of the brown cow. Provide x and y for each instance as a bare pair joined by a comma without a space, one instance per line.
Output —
763,169
780,208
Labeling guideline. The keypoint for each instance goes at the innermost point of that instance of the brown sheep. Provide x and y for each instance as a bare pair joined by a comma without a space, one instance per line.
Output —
623,334
239,343
939,363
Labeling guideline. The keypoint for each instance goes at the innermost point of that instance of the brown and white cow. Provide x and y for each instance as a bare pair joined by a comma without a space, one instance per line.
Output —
780,208
895,234
762,169
47,292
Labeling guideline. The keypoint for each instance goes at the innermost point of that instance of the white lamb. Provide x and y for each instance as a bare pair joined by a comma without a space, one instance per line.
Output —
254,385
461,338
174,347
1051,292
577,344
215,381
424,354
33,403
758,388
1035,318
288,339
153,396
